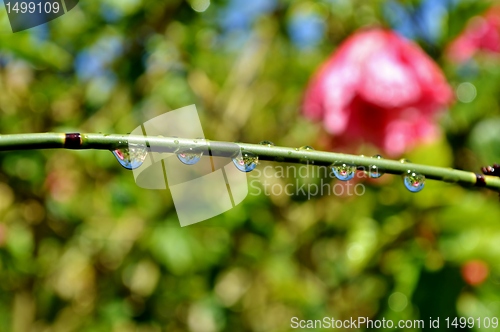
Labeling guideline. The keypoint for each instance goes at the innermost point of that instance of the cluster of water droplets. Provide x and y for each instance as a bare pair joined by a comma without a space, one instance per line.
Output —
133,156
412,180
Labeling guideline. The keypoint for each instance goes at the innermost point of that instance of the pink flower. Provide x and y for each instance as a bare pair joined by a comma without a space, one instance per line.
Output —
379,88
482,33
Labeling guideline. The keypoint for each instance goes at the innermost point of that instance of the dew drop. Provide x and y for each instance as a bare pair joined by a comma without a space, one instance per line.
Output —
343,171
306,148
132,156
305,159
247,162
189,157
266,143
414,182
404,161
373,171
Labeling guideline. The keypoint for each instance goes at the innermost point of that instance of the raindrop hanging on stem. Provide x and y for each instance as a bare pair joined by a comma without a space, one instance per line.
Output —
413,181
305,158
344,171
190,156
131,157
374,171
246,162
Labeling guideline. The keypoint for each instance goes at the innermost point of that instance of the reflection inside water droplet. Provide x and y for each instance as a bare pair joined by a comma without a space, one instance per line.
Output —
190,156
414,182
247,162
343,171
132,156
373,171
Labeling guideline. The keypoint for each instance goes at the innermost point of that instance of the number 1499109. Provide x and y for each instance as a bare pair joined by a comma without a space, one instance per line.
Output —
32,7
470,322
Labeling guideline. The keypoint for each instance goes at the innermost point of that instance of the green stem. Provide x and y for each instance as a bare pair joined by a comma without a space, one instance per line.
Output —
217,148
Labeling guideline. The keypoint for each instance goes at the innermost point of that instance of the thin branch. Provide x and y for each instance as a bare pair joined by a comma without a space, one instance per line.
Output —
226,149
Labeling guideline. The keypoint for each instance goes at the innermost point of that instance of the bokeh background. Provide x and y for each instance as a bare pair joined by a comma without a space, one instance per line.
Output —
82,248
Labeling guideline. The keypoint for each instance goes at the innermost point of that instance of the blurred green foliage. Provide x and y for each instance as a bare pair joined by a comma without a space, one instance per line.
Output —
82,248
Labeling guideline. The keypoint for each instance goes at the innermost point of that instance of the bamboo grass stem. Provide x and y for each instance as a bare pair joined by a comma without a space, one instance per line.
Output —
264,152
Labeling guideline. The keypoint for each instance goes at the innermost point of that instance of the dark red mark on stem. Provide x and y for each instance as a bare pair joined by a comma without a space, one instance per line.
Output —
73,141
491,170
480,181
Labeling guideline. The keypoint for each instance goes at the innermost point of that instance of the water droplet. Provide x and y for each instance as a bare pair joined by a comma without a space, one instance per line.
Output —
343,171
131,157
414,182
404,161
306,148
176,147
190,156
267,143
305,159
247,162
373,171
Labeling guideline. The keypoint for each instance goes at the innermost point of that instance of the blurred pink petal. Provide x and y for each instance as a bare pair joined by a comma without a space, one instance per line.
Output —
482,33
380,88
388,82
